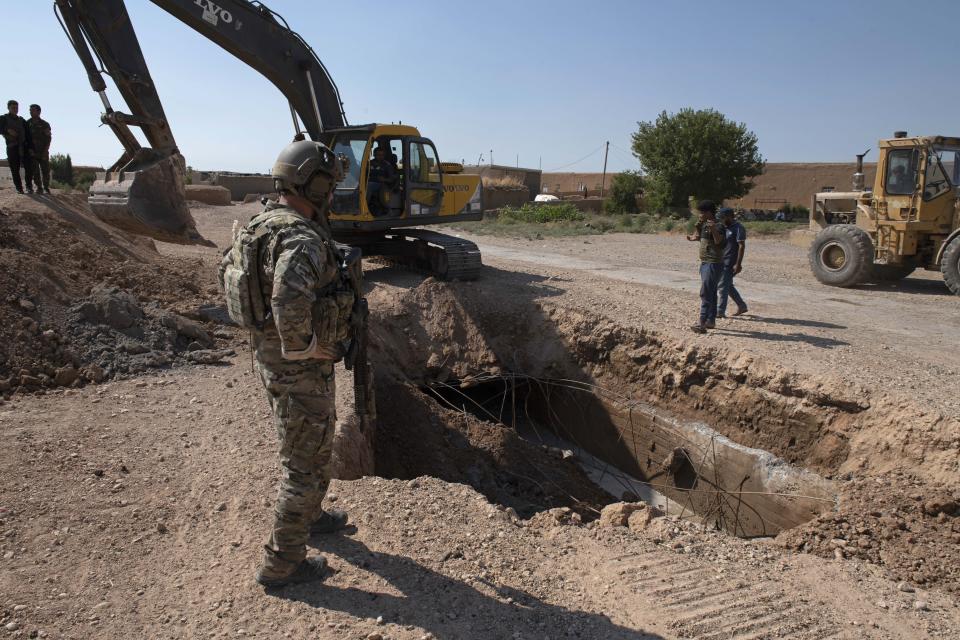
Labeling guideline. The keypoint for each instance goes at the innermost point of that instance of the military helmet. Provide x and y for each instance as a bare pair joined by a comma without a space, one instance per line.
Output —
309,169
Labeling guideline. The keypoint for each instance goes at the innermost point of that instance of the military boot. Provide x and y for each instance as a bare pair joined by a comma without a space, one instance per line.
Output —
329,522
310,570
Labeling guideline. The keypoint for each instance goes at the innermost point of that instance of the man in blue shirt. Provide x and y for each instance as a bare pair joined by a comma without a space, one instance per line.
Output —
733,250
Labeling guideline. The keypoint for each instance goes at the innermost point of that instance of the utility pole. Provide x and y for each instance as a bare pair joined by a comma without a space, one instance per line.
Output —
603,180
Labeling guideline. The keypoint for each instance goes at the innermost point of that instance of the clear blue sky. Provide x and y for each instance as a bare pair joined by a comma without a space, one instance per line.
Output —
816,80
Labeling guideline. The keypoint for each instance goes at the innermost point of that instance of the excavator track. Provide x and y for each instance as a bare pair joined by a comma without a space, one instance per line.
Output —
446,257
428,252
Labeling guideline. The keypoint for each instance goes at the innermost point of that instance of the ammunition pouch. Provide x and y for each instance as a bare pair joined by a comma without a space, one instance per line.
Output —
331,317
340,311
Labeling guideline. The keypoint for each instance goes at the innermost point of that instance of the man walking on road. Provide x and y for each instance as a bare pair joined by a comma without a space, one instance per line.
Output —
39,153
710,236
16,134
736,242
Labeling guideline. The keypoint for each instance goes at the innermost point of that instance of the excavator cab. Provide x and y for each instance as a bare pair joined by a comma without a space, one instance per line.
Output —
395,176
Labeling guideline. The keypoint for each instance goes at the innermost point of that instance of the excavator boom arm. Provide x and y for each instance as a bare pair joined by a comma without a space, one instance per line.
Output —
262,39
143,191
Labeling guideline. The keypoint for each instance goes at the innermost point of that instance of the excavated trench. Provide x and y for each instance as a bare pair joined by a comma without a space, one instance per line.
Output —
632,451
539,407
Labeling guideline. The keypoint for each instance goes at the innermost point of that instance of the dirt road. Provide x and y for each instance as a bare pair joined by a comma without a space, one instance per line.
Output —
894,338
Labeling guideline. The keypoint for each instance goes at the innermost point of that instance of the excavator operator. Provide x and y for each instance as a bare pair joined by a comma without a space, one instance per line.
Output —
382,181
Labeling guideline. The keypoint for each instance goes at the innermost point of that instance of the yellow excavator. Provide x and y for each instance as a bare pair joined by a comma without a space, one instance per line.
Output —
144,191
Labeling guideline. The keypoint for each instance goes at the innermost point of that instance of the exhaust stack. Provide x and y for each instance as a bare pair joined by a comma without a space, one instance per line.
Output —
858,178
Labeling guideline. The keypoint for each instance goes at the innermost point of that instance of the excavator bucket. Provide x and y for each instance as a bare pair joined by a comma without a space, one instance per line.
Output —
147,197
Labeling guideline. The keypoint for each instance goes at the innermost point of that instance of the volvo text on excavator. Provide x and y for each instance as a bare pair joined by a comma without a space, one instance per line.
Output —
394,181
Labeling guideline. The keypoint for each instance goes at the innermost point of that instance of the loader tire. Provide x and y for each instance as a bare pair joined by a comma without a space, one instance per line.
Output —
842,255
891,272
950,266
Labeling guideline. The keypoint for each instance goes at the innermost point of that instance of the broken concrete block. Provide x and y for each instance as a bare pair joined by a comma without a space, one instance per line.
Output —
641,519
186,327
618,513
65,376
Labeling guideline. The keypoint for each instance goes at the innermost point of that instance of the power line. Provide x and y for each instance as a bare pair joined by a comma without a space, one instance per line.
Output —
576,161
624,152
631,157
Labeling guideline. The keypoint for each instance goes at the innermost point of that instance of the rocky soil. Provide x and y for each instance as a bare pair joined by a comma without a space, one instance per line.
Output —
135,507
81,302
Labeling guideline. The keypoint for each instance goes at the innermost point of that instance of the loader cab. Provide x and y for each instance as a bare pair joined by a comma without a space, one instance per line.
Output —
393,174
928,167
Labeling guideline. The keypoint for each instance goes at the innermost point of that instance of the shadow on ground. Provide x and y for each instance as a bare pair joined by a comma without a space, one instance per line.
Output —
814,341
919,286
446,607
793,322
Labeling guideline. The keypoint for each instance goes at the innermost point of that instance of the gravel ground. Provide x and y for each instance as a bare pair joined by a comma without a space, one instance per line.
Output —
890,338
136,509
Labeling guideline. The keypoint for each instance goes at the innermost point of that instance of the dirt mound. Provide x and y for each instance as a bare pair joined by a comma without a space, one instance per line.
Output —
75,293
910,528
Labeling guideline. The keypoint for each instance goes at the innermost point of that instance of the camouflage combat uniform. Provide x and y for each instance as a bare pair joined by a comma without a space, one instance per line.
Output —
297,266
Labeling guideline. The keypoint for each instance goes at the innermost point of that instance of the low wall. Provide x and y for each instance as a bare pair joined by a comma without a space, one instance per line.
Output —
242,185
589,205
497,198
208,194
529,177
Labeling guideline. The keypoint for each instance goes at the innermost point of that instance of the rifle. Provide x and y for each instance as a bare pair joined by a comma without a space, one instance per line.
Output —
356,357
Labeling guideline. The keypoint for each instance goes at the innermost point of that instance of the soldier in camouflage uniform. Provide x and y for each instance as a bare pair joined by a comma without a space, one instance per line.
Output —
39,152
306,311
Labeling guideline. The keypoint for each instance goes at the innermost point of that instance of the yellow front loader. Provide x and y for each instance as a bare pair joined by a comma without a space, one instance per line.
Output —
909,220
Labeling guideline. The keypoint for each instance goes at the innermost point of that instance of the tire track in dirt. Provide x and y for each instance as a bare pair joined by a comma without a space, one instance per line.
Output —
701,602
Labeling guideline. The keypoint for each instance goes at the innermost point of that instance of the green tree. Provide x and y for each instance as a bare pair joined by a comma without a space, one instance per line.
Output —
699,153
623,193
61,168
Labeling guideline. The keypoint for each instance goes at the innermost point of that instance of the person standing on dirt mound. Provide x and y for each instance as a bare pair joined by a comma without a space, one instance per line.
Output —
736,243
283,279
710,236
16,134
40,138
